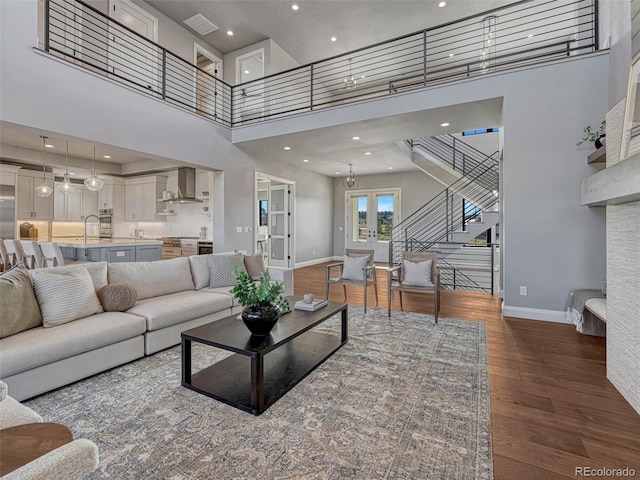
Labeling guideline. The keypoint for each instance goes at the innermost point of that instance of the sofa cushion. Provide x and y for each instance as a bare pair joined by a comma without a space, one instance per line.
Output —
167,310
117,297
221,266
222,291
40,346
152,279
97,270
19,310
64,298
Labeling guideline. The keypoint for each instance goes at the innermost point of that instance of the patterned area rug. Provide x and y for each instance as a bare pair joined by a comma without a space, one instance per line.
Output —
403,399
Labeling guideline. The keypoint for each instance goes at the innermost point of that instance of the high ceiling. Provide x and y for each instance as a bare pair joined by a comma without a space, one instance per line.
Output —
306,35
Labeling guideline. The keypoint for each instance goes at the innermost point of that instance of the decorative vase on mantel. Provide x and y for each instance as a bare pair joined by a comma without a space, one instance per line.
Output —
260,319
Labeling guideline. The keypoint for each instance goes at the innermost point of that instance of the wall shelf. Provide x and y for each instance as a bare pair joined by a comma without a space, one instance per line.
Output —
599,156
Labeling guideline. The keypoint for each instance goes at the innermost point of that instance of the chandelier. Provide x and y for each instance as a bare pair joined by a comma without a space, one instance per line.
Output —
350,180
66,187
350,81
489,42
94,183
44,190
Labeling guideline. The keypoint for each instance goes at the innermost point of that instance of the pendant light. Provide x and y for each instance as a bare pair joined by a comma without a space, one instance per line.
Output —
93,183
350,180
66,186
44,190
350,81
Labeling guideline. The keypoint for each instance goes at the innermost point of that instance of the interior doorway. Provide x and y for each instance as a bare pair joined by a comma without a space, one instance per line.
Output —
274,220
249,68
205,92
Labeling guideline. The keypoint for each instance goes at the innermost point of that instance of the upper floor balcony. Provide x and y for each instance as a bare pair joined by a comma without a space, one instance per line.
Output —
519,35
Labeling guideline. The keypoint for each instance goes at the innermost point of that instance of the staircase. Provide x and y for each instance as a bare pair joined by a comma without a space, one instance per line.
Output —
450,221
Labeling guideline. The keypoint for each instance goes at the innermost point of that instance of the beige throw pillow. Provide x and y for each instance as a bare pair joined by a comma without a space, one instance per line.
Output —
19,309
254,265
64,298
117,297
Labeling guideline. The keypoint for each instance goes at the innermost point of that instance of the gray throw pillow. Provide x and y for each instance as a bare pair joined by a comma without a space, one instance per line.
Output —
254,265
19,309
221,269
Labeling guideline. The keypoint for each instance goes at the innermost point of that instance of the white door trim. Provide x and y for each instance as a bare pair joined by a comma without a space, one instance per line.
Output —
141,11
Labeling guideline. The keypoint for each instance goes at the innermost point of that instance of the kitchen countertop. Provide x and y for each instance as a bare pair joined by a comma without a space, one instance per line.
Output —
106,242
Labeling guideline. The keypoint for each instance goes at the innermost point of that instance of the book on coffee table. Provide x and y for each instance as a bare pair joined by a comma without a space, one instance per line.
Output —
314,305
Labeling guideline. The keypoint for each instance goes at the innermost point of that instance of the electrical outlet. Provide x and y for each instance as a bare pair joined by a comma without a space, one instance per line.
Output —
238,229
523,291
247,229
313,253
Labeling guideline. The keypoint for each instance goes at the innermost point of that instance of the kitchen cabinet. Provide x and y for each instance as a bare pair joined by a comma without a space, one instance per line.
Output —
148,253
141,198
112,196
75,206
28,203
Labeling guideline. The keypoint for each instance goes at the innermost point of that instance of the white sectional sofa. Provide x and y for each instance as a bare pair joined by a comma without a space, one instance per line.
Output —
172,296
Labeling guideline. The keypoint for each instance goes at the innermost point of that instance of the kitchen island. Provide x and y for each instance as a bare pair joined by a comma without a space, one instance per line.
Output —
111,250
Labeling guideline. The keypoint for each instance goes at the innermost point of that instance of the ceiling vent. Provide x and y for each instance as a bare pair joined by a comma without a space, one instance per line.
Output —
200,24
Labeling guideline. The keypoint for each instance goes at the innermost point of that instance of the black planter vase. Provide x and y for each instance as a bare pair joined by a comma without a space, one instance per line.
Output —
260,319
600,141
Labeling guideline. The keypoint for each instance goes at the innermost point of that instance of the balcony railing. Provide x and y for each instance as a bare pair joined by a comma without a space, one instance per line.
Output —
521,34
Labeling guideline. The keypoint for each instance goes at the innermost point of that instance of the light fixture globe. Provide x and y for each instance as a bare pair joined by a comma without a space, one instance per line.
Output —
44,190
66,187
93,183
350,82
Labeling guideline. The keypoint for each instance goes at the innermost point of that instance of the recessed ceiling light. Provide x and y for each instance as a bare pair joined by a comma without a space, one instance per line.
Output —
48,146
363,76
531,35
367,153
442,4
333,39
445,124
246,72
305,160
356,138
337,173
452,54
295,6
107,156
230,33
287,148
389,168
71,173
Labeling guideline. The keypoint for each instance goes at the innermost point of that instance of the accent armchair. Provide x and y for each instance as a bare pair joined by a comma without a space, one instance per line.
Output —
356,270
418,273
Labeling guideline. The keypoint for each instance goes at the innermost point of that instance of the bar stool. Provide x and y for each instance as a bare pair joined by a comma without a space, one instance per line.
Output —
32,254
51,254
14,251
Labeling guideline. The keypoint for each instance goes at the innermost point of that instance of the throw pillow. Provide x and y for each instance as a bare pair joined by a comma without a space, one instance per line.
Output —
221,269
352,267
19,309
64,298
117,297
254,265
417,274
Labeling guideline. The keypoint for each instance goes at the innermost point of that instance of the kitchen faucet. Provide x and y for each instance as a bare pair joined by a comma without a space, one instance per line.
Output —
85,226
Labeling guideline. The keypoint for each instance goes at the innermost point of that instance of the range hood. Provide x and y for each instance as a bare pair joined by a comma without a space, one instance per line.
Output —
186,187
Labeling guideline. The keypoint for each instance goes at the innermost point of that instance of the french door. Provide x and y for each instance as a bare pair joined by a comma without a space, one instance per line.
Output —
279,228
370,216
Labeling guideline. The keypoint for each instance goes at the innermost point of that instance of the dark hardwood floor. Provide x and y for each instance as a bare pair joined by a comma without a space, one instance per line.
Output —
552,407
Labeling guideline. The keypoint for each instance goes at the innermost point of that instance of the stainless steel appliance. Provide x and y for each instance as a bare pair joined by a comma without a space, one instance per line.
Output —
7,211
205,248
106,226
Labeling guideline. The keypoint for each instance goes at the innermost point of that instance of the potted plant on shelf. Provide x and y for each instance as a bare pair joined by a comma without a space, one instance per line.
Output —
596,137
262,301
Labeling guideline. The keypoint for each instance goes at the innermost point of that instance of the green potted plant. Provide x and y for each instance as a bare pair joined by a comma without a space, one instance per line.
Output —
589,134
261,299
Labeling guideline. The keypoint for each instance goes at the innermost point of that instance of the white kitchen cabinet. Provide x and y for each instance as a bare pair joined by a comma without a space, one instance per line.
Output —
28,203
111,195
75,206
141,198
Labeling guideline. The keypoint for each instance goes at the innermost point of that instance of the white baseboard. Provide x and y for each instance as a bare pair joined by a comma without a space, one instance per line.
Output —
313,262
535,314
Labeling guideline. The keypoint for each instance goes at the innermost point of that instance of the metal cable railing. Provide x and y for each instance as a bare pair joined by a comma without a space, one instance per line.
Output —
517,35
80,33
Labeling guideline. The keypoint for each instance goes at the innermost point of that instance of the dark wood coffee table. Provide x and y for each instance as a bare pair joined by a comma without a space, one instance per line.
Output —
21,444
262,369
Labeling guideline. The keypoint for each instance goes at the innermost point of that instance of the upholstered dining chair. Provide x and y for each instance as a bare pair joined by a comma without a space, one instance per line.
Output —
4,256
52,255
32,254
418,273
14,251
356,270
